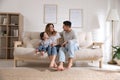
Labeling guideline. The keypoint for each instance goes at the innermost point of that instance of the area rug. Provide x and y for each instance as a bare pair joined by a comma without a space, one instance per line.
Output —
75,73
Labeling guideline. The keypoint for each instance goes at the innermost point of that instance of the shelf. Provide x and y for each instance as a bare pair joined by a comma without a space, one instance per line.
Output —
10,48
3,48
13,36
3,25
9,36
13,25
10,30
3,36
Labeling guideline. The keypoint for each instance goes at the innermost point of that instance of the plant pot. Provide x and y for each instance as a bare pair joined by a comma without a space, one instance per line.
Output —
118,61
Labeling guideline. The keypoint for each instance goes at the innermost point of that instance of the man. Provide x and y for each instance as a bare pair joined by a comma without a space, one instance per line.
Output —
68,47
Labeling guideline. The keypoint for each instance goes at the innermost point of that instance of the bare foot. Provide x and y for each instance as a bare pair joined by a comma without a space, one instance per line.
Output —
37,52
42,53
60,68
69,65
53,65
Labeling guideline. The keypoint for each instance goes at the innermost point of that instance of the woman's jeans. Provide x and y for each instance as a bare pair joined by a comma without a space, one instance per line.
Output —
68,50
53,50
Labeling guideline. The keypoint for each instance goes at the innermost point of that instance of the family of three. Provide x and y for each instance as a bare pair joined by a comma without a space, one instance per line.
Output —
49,44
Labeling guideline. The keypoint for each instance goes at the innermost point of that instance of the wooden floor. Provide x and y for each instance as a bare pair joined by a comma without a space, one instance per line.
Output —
10,64
40,71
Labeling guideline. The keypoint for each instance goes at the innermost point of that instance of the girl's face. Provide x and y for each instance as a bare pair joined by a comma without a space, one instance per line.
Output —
45,36
51,28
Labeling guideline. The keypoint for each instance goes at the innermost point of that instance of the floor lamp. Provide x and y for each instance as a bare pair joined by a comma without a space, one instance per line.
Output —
112,17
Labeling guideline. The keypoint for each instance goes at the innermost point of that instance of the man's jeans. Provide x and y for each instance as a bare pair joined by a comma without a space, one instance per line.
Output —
68,50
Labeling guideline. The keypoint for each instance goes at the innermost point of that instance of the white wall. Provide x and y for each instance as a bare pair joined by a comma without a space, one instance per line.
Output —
118,26
32,10
112,4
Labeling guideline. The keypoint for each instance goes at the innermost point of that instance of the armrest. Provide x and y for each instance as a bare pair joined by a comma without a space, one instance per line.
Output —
17,44
98,44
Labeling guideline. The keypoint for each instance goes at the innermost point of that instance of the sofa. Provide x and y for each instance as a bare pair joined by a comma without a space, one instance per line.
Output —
89,50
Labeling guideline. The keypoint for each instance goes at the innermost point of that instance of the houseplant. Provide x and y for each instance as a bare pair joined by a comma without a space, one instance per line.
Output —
116,55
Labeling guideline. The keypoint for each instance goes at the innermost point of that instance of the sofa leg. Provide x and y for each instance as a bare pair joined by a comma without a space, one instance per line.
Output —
91,61
100,64
23,61
15,63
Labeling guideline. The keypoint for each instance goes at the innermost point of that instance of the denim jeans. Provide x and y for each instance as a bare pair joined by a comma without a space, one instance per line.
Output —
42,48
68,51
53,50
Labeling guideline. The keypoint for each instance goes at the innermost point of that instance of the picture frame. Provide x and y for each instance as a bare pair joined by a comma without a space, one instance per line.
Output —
76,17
50,13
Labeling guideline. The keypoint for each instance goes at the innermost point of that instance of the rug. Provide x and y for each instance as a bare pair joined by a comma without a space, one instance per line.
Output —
75,73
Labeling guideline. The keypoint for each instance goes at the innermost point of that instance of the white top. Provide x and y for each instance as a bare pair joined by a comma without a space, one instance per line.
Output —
55,37
52,39
45,43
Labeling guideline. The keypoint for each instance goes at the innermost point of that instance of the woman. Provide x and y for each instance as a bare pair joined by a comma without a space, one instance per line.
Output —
54,36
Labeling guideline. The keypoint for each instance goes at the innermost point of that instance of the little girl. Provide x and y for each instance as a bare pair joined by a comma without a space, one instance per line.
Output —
45,42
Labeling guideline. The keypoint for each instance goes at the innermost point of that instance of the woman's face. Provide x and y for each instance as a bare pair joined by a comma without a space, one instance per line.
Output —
51,28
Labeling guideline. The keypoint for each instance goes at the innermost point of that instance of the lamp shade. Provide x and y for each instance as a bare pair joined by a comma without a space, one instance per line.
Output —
113,15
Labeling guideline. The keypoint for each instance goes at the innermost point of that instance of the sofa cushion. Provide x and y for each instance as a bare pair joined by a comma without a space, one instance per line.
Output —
27,42
35,35
21,52
84,39
35,42
31,39
88,54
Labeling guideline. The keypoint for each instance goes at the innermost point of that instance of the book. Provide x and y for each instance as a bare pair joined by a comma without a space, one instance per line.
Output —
15,31
4,21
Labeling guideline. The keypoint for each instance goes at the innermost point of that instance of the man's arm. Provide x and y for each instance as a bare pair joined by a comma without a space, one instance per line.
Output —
74,37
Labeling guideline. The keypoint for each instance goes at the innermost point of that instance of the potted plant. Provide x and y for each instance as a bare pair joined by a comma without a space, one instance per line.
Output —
116,55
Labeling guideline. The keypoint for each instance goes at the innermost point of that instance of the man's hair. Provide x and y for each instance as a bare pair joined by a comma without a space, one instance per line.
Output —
67,23
42,35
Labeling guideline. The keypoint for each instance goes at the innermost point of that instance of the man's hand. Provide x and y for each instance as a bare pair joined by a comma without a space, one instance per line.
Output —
63,44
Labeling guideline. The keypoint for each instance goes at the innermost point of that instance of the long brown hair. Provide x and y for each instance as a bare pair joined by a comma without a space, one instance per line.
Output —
47,30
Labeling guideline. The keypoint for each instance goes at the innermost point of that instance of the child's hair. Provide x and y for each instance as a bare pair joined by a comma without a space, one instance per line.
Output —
42,35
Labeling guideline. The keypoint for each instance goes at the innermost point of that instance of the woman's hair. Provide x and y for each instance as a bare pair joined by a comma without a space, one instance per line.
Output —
42,35
47,29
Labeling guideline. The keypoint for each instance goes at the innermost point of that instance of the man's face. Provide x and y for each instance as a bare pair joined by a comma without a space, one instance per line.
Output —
65,28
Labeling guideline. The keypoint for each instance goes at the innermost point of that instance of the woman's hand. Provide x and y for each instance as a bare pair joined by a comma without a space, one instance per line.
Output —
53,44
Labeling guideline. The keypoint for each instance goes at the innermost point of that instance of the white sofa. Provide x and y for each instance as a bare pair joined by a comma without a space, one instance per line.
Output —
25,49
